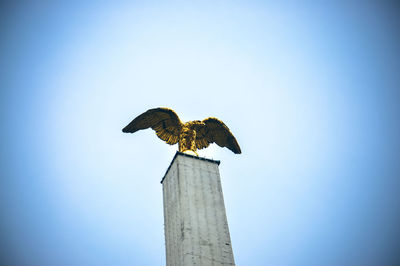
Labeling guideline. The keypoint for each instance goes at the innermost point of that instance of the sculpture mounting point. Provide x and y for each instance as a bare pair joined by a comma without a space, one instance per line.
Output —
191,136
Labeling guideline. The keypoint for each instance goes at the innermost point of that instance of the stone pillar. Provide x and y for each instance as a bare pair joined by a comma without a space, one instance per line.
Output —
195,224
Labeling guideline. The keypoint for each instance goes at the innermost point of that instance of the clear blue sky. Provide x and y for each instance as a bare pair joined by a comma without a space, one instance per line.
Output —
310,90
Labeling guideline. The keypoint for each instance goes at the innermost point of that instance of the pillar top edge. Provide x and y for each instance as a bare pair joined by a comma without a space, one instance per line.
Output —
178,153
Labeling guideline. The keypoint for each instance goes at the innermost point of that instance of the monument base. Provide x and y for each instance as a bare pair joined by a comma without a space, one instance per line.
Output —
195,224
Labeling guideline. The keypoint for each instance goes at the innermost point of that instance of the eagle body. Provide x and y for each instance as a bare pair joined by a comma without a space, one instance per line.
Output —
190,136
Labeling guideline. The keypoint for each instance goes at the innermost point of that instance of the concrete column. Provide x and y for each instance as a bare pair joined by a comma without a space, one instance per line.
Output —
196,228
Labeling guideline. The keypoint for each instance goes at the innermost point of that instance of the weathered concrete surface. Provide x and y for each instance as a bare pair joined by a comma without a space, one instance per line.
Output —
196,228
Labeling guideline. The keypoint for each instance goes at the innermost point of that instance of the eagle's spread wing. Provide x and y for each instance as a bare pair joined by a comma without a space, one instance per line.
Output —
164,121
214,130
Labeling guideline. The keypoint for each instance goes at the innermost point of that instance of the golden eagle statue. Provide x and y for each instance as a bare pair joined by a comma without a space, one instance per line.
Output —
191,135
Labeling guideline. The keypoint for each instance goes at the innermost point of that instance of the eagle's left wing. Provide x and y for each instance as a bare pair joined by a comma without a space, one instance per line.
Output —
214,130
164,121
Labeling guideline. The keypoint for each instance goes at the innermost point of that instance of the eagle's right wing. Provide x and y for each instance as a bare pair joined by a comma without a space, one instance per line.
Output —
214,130
164,121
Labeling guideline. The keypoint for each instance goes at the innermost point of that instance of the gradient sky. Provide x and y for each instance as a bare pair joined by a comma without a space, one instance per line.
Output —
309,89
